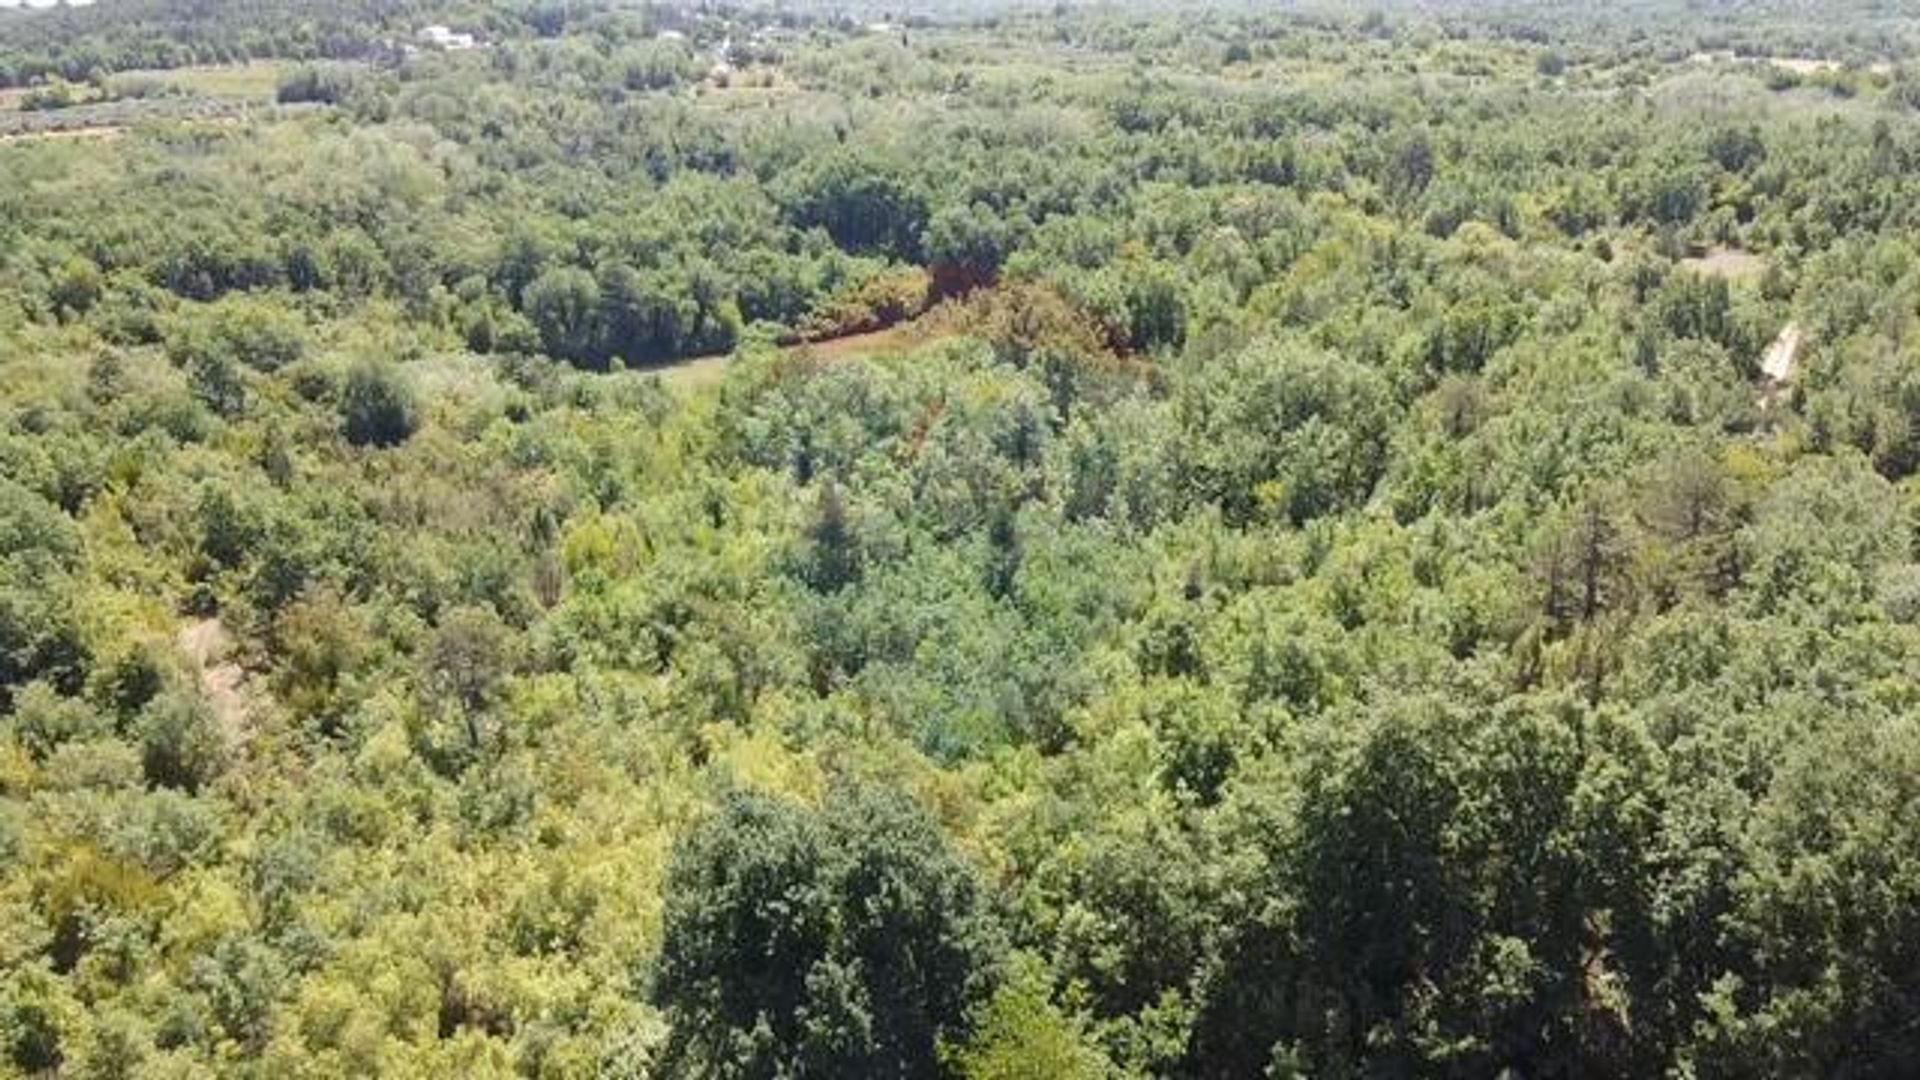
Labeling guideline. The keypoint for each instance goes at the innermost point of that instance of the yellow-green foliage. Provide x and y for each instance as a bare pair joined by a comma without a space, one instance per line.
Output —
1329,591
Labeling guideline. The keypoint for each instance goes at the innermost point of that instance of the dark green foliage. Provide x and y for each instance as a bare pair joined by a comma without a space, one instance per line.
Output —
40,637
865,204
1736,149
78,43
842,942
377,407
30,1021
832,558
181,745
1156,312
320,84
33,529
1378,544
564,305
238,332
1282,429
966,245
238,979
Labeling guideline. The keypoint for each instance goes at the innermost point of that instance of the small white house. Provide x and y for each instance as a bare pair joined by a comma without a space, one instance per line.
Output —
441,37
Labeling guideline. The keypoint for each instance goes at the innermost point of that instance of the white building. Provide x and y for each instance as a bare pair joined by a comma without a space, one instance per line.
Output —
441,37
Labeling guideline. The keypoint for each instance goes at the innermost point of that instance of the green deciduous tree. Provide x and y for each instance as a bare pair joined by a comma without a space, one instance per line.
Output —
1283,430
847,941
377,406
564,305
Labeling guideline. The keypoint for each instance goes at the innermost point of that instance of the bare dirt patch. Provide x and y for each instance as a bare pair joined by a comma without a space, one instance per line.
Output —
1777,363
1727,262
753,88
904,335
102,131
701,371
1799,65
1804,66
256,80
224,684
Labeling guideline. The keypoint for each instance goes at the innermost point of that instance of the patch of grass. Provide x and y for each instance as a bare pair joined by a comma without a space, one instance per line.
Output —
1734,264
256,80
690,375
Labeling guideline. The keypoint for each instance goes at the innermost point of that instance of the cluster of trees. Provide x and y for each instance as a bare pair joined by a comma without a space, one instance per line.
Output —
1322,585
79,42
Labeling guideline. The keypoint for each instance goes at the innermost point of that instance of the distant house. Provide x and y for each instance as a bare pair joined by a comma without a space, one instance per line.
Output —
440,37
671,35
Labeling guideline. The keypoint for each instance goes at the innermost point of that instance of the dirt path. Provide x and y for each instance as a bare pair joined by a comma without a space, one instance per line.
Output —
702,371
1731,263
100,131
688,375
898,336
1777,364
222,682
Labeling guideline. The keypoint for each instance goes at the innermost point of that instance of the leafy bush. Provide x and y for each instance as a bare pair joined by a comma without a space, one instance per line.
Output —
377,406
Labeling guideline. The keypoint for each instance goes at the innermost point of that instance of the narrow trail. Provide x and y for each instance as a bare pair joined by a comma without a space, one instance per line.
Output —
97,131
701,371
1778,362
223,683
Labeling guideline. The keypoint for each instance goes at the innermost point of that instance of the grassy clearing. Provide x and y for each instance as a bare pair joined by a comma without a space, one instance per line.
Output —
256,80
751,88
904,335
132,98
688,376
691,375
1734,264
106,131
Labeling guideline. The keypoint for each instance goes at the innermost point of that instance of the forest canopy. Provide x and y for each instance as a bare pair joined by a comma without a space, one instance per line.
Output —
558,538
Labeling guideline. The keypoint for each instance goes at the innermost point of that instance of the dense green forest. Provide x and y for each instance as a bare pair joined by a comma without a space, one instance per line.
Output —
1084,542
